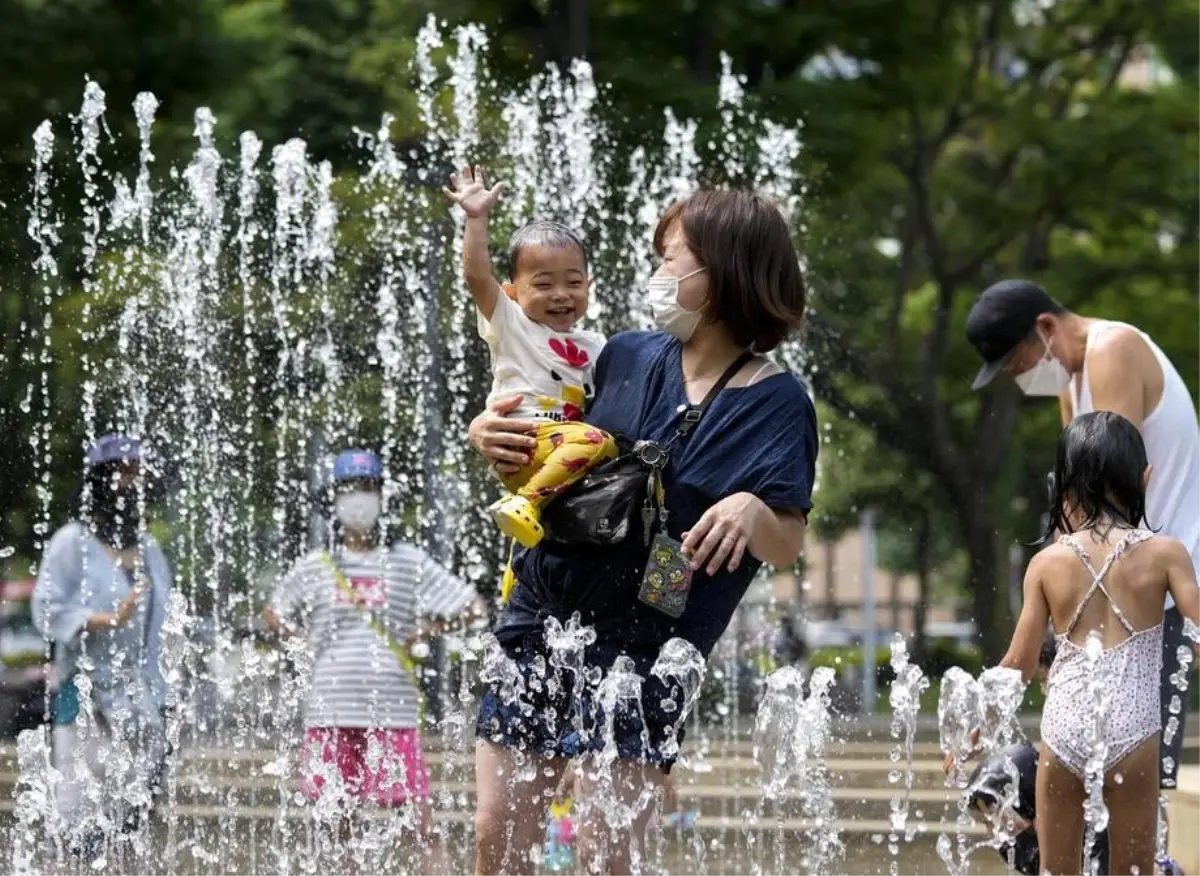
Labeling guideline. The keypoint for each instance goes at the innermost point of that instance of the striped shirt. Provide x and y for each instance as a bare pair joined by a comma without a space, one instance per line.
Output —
356,680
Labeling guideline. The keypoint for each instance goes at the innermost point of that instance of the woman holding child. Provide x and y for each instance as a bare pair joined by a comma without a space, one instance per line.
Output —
735,488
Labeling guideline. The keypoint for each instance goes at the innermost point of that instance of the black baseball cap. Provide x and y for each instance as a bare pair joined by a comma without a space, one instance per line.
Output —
1004,315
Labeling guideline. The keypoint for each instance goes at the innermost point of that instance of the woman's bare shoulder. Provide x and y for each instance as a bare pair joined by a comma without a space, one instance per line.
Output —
758,369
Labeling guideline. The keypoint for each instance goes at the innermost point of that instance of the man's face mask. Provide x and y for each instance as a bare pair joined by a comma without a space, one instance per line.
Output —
1049,377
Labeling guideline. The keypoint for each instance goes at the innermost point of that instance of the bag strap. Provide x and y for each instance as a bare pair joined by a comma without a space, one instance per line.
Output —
376,627
692,414
407,663
655,458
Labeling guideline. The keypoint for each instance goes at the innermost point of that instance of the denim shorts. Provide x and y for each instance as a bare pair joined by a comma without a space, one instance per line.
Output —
543,710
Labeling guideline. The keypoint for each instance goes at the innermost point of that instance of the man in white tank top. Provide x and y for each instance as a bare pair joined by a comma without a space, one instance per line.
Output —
1098,365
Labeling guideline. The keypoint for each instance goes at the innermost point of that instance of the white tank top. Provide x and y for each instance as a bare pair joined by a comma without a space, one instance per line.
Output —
1172,437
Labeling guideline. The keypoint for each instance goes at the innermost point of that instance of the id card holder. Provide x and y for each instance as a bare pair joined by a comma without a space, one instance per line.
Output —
668,577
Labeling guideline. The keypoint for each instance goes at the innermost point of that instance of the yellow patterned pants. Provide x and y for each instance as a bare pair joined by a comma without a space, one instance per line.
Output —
565,453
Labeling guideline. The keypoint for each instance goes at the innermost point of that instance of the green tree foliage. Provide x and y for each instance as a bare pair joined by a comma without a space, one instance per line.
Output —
1013,149
47,50
949,144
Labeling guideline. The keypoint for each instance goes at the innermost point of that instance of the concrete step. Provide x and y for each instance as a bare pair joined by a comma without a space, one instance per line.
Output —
850,767
717,800
730,772
185,813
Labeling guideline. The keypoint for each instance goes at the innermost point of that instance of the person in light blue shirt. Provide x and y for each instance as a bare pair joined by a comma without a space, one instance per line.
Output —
101,598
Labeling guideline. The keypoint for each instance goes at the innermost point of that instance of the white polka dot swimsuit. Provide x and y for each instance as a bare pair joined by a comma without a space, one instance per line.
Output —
1131,671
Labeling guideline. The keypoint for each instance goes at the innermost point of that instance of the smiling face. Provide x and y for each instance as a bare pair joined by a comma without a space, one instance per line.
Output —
551,284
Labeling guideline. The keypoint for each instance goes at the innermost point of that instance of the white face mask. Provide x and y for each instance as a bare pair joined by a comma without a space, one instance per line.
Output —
1048,377
662,294
358,510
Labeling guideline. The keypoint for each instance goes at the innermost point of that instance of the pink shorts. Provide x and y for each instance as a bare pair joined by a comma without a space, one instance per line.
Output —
379,766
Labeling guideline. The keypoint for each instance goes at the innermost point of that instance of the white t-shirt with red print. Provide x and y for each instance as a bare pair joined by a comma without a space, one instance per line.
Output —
552,371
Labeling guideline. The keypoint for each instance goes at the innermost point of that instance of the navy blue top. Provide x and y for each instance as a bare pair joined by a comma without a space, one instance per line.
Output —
759,439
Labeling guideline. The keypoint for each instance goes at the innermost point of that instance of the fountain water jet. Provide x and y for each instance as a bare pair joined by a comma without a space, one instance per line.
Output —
908,684
260,311
973,715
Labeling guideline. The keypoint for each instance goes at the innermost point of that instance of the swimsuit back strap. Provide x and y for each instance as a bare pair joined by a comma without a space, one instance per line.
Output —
1134,536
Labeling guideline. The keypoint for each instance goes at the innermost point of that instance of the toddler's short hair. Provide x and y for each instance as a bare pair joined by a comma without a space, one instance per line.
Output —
543,233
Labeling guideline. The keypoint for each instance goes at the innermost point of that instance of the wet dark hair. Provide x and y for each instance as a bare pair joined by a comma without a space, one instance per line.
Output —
543,233
1048,650
745,243
989,782
1098,469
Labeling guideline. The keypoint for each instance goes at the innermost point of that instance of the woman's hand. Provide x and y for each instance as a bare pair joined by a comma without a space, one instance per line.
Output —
108,620
721,535
128,605
505,443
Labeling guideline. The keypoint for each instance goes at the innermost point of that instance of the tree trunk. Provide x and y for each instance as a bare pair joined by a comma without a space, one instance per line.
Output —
988,608
701,41
569,26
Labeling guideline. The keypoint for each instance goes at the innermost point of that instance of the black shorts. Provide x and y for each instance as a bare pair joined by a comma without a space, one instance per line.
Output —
540,708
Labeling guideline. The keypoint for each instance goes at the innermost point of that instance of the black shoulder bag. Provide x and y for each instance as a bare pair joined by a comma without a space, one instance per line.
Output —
624,495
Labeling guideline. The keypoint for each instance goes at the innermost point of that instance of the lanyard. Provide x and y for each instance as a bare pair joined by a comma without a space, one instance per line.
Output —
399,651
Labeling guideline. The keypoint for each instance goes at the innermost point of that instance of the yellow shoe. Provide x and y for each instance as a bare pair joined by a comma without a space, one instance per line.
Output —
517,518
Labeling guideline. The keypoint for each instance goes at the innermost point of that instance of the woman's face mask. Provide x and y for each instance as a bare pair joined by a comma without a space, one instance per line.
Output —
662,294
358,510
115,511
1049,377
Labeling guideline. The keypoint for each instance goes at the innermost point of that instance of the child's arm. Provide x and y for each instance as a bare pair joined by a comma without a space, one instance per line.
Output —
477,202
1030,631
1181,582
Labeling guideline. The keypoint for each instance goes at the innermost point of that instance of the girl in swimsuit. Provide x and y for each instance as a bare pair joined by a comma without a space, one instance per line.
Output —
1104,575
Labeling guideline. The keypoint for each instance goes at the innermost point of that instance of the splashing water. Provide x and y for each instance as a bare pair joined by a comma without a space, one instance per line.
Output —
958,704
612,802
250,312
977,714
680,668
1191,631
499,669
567,645
790,735
36,792
908,683
1095,813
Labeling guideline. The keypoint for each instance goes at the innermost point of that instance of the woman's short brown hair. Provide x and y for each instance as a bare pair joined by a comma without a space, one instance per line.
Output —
755,282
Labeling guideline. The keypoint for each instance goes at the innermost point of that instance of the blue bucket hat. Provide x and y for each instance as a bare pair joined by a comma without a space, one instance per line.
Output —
113,447
354,464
